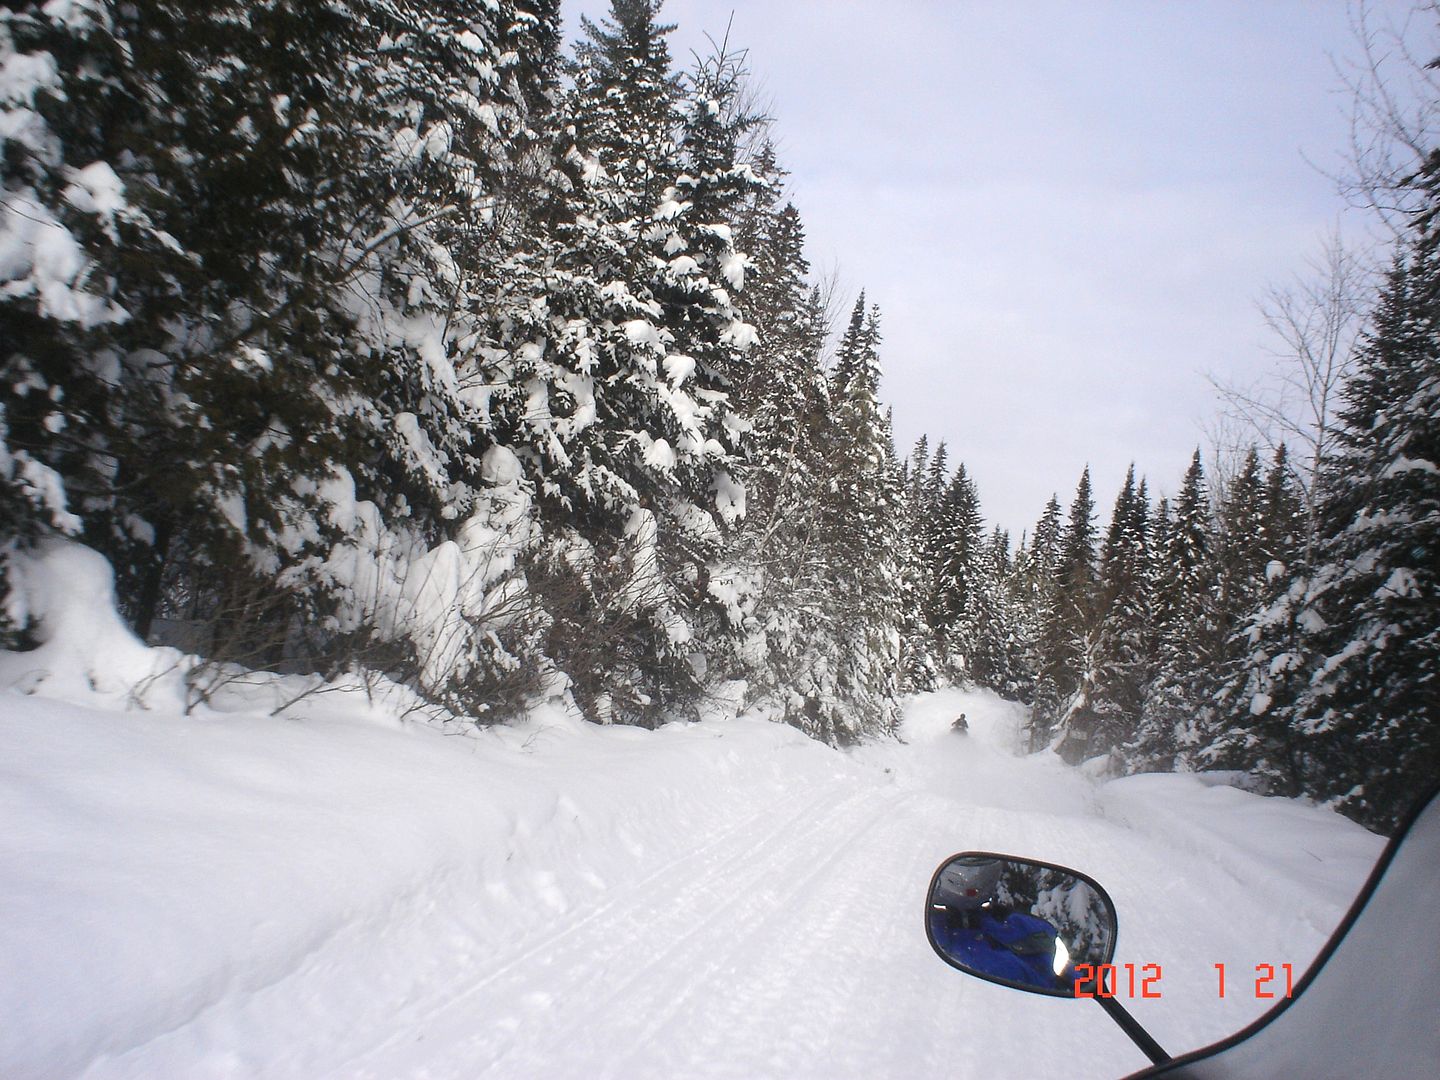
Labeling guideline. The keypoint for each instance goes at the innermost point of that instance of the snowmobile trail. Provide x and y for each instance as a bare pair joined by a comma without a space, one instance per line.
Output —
785,941
618,969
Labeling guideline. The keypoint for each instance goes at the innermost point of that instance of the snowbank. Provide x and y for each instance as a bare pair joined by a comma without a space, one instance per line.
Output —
86,653
152,866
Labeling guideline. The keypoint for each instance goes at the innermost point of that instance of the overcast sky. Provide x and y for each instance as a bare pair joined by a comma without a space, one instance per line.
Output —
1066,211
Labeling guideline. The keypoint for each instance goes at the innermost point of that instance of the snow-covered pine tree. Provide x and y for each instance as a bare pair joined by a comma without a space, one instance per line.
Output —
81,253
1122,659
695,274
785,395
369,145
913,470
920,650
618,328
861,525
1187,640
1066,636
1369,710
1031,589
931,520
1283,516
1240,557
961,543
624,74
455,98
287,398
995,658
782,305
1240,544
1247,718
1045,546
1034,590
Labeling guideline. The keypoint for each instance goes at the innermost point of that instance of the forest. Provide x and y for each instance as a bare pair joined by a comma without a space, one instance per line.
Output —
397,338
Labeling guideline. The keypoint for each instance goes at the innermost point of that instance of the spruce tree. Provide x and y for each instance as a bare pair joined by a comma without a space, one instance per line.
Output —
1122,669
1036,592
1282,517
861,527
1246,717
933,522
1032,589
957,562
68,222
616,333
919,665
1187,639
1370,709
928,648
626,101
995,656
1066,634
786,397
1240,569
298,193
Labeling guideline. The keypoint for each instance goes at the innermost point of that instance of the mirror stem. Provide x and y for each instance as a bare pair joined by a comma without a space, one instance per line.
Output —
1138,1035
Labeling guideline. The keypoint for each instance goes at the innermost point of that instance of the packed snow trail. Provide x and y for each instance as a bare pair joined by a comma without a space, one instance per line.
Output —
724,899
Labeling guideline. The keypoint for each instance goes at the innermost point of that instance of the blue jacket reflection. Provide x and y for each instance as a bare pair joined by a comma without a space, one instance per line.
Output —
1010,945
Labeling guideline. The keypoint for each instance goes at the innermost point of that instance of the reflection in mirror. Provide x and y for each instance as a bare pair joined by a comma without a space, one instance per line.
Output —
1022,923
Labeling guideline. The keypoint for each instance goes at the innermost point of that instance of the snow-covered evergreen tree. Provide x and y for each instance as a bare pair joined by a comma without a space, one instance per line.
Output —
1032,596
996,656
921,651
289,233
1186,638
1066,635
787,654
67,223
959,553
1243,731
626,103
1368,708
861,526
1123,655
931,521
617,329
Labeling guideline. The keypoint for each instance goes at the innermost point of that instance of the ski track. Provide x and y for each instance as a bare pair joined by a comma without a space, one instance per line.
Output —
618,949
788,943
418,917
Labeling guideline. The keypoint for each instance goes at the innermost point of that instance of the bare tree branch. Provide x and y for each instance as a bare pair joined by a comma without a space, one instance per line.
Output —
1394,91
1318,322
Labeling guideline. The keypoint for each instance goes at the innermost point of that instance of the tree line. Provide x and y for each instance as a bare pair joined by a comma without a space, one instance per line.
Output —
1279,624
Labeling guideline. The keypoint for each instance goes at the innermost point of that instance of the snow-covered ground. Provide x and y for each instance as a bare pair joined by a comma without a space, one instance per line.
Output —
332,892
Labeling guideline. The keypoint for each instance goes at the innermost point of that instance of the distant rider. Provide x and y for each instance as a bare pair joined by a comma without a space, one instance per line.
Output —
961,724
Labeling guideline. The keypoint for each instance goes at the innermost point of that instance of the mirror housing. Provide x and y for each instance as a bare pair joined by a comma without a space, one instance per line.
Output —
1018,922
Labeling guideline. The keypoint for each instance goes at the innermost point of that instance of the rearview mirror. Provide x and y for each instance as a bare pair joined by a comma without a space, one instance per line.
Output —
1020,923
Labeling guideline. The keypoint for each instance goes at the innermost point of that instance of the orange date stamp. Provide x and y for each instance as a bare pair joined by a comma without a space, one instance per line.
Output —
1142,981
